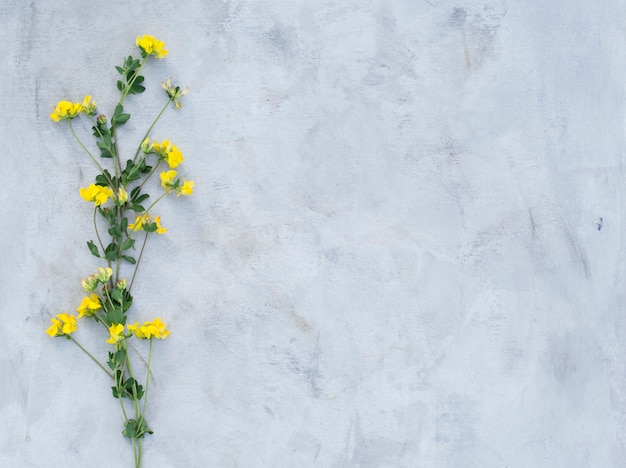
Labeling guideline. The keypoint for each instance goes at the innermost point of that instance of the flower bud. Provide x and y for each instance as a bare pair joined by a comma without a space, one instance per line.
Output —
104,274
90,283
146,146
101,119
122,196
121,284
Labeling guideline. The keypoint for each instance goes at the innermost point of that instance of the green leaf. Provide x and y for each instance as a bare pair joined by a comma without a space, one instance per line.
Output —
120,70
121,119
115,315
93,249
128,243
130,429
142,198
120,85
130,260
116,294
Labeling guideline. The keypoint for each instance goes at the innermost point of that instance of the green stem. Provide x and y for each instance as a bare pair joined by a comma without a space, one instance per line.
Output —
145,239
151,173
151,127
89,153
131,82
95,226
145,395
111,150
91,356
140,220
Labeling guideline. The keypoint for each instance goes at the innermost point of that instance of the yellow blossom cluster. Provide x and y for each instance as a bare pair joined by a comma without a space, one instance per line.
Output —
150,45
96,193
171,183
165,150
62,325
155,329
88,306
66,110
144,220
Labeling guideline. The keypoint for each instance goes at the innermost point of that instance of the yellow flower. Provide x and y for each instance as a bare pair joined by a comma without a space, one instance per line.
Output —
168,181
169,153
139,220
155,329
174,93
89,106
116,332
66,110
187,188
88,306
122,196
149,45
96,193
62,325
160,229
145,223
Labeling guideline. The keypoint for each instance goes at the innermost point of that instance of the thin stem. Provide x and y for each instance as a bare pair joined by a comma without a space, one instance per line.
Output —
95,226
151,127
89,153
91,356
145,395
138,260
132,81
151,173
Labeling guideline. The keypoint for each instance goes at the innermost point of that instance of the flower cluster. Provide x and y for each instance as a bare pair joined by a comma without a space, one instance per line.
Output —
62,325
121,204
96,193
171,183
149,45
146,223
165,150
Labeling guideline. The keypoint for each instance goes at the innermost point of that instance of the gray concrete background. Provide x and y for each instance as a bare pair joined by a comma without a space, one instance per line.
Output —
391,258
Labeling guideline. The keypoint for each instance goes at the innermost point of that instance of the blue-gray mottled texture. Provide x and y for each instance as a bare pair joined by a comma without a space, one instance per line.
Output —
393,256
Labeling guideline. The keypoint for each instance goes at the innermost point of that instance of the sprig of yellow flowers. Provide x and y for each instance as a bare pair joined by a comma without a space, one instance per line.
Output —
115,194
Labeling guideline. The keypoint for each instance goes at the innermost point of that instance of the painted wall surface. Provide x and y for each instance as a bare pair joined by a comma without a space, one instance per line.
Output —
393,255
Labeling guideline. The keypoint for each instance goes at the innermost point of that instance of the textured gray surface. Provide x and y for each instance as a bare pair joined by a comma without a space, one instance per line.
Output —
391,258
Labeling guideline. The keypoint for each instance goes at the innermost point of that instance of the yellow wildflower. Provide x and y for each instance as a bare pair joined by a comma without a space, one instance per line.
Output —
155,329
96,193
187,188
88,306
116,331
62,325
66,110
144,221
89,106
168,180
160,229
149,45
168,152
